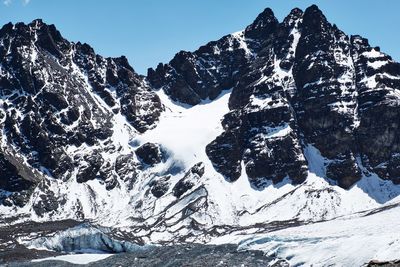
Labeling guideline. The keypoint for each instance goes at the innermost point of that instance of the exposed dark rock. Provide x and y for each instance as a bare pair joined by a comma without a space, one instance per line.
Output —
149,153
179,255
19,199
126,168
10,180
192,77
311,84
45,204
261,128
160,186
263,26
91,167
395,263
189,180
45,200
226,153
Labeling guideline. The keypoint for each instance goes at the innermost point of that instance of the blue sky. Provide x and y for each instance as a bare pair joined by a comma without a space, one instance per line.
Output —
152,31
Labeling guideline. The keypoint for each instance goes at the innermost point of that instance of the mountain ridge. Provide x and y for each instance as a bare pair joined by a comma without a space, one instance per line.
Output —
279,125
187,79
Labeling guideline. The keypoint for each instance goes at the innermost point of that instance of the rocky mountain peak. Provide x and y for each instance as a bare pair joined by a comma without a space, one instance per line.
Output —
262,26
314,20
314,12
294,15
41,34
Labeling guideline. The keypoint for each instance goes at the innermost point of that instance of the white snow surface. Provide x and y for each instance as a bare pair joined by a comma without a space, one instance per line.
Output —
184,131
377,64
348,238
239,36
83,258
348,241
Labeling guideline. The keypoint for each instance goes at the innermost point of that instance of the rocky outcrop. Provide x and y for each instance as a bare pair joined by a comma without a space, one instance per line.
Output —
188,181
160,186
375,263
261,130
377,81
149,153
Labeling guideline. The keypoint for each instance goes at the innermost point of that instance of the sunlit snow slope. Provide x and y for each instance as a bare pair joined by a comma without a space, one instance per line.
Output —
349,241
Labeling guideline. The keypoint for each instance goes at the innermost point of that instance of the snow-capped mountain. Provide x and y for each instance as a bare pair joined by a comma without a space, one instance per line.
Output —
64,113
279,125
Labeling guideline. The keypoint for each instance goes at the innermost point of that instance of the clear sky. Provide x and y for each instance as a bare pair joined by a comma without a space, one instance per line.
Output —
152,31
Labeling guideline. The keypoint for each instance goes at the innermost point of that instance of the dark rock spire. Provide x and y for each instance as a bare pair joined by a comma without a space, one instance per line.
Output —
263,25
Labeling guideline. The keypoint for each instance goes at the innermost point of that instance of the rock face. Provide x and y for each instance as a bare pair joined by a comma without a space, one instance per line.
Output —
61,108
149,153
299,82
192,77
190,180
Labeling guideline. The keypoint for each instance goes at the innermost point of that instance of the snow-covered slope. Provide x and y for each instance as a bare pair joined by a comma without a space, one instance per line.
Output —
183,129
77,258
349,241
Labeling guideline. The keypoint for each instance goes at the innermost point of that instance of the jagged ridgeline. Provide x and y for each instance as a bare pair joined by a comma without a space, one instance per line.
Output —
287,114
